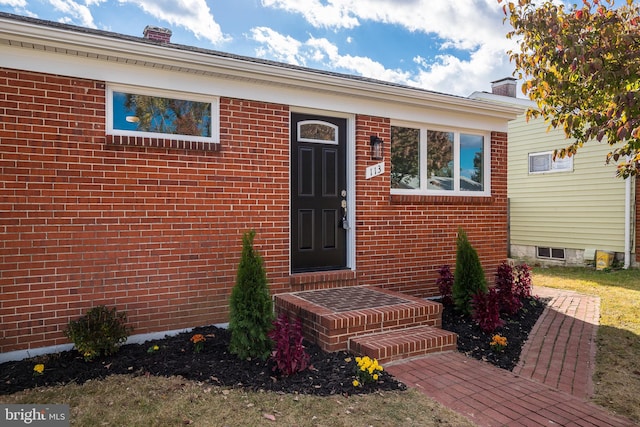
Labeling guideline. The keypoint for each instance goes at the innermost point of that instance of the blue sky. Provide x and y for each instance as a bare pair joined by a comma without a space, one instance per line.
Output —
454,46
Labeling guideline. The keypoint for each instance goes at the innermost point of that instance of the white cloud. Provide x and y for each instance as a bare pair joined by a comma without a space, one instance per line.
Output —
444,73
472,26
321,53
335,14
75,12
449,74
194,15
461,24
277,46
14,3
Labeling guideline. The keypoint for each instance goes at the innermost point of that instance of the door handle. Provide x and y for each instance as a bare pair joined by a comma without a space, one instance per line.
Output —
343,204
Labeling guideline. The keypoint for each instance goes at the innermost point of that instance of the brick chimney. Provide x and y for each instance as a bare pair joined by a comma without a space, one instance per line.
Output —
159,34
504,87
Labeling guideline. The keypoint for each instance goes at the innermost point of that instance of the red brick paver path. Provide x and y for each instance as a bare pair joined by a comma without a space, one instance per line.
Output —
561,349
547,388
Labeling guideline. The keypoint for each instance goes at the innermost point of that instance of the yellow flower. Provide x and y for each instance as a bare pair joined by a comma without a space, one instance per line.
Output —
375,377
39,368
156,348
355,383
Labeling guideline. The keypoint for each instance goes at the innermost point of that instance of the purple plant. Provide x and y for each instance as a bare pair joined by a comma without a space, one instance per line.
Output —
486,310
289,354
522,281
445,284
509,300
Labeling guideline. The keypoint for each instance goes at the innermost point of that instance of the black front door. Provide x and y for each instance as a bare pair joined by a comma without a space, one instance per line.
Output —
318,193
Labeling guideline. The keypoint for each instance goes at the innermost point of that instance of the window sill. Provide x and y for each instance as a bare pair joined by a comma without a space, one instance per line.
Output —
176,144
422,199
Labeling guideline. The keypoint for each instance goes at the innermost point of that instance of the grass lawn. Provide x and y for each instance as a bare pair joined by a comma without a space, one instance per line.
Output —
617,376
159,401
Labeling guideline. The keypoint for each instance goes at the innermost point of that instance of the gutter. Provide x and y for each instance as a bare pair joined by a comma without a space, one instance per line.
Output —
627,221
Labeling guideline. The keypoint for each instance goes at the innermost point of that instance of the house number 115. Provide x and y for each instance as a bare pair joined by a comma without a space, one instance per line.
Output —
375,170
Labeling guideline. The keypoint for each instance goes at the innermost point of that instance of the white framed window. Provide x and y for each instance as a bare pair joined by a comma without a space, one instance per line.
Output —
155,113
543,162
432,160
550,253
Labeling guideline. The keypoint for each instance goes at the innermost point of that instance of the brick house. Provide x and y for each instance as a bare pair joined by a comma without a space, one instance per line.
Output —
131,167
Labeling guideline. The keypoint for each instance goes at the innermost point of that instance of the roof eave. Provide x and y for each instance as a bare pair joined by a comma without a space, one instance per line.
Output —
133,50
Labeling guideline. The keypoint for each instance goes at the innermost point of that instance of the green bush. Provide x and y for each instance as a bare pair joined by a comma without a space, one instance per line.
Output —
100,332
469,278
251,309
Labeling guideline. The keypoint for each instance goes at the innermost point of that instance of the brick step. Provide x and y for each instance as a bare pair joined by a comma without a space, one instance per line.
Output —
403,343
330,317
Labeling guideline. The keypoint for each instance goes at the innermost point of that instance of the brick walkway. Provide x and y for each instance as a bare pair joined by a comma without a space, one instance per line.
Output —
547,388
568,330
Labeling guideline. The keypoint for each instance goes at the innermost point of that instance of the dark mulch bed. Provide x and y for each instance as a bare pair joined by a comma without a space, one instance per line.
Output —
330,373
475,343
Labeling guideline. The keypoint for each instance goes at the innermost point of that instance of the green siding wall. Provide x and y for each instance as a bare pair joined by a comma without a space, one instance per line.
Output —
573,210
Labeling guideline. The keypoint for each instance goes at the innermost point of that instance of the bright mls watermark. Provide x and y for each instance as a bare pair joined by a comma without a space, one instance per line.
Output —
34,415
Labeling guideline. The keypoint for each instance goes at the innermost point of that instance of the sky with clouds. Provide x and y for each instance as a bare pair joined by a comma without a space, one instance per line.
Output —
455,46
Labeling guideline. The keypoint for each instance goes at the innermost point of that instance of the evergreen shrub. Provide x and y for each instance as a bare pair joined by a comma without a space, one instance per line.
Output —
469,278
251,309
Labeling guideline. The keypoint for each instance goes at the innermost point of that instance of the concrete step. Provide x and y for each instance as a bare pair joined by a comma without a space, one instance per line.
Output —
403,343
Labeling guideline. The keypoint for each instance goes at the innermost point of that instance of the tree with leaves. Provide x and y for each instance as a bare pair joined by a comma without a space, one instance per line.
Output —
581,64
251,317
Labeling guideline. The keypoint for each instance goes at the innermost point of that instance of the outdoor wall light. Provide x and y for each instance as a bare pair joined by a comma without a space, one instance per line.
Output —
376,148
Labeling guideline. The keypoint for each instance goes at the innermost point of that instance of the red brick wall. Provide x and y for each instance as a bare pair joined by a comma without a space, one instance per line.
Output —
403,240
156,232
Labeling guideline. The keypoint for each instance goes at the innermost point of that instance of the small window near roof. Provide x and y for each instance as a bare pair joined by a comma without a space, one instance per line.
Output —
158,114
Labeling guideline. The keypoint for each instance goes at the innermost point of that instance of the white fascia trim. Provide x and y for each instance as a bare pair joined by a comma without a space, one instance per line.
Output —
133,52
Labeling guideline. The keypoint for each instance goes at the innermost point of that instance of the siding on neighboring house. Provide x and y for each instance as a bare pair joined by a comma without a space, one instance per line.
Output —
156,230
578,209
572,210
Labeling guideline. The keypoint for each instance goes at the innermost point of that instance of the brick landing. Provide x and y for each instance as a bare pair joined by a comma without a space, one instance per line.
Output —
330,317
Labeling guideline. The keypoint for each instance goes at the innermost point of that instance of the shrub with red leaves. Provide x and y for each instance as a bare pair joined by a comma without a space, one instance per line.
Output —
522,281
510,300
486,310
445,284
289,354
